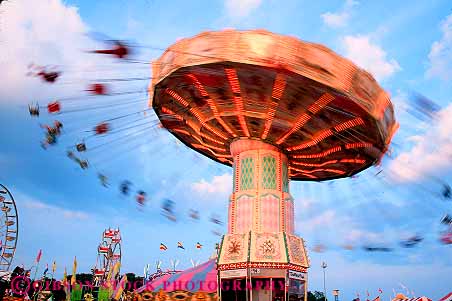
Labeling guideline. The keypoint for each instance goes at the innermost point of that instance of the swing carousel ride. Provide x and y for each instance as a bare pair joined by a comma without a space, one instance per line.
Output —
274,109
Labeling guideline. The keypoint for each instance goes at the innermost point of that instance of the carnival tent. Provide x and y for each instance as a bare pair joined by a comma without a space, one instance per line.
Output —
401,297
447,297
200,278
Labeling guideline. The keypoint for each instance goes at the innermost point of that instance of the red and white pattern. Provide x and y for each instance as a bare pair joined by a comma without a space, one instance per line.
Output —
447,297
413,299
244,215
269,213
231,217
99,272
109,234
103,250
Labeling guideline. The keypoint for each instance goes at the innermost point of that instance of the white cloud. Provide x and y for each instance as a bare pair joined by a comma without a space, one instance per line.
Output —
440,56
241,8
340,18
325,218
45,33
369,56
219,185
40,207
431,153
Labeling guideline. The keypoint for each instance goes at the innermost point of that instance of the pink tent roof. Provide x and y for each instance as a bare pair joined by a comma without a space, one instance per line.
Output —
447,297
414,299
200,278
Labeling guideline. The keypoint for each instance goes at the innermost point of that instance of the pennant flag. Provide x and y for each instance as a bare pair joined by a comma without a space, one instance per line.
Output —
380,291
120,288
163,247
145,270
54,267
108,282
180,246
38,258
198,245
65,277
74,271
66,286
116,269
47,269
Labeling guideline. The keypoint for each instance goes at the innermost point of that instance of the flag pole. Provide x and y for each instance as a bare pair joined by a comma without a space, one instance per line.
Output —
36,271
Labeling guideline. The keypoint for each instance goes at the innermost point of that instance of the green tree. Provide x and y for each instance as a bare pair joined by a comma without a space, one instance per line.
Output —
316,296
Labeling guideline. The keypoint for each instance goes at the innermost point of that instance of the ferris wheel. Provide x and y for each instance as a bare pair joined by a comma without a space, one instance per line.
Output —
108,255
9,228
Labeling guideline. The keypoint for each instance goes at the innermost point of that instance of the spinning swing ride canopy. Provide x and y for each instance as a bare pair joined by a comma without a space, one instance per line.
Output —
328,116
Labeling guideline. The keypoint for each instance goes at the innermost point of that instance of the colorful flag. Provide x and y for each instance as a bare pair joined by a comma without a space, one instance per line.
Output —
380,291
180,246
53,267
116,269
74,271
110,272
163,247
198,245
38,258
47,269
65,277
120,288
66,286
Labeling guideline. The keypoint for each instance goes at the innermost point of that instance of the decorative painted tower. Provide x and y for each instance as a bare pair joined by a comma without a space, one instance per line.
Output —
274,108
260,243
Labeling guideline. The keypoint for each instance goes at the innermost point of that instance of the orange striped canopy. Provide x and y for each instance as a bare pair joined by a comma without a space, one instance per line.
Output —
329,117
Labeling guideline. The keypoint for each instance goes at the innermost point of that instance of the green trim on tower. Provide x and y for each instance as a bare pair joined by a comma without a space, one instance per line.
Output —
269,172
234,166
249,246
220,246
247,174
285,178
286,247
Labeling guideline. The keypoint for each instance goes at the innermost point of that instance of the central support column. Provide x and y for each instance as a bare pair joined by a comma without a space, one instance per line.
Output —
260,246
260,201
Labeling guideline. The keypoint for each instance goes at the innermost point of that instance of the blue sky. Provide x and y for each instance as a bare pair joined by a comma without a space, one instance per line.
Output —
63,210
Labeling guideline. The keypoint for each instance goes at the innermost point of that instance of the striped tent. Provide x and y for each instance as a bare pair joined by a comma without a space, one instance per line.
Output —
200,278
447,297
412,299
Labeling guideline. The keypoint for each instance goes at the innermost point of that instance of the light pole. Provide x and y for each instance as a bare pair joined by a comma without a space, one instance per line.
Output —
324,266
336,295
